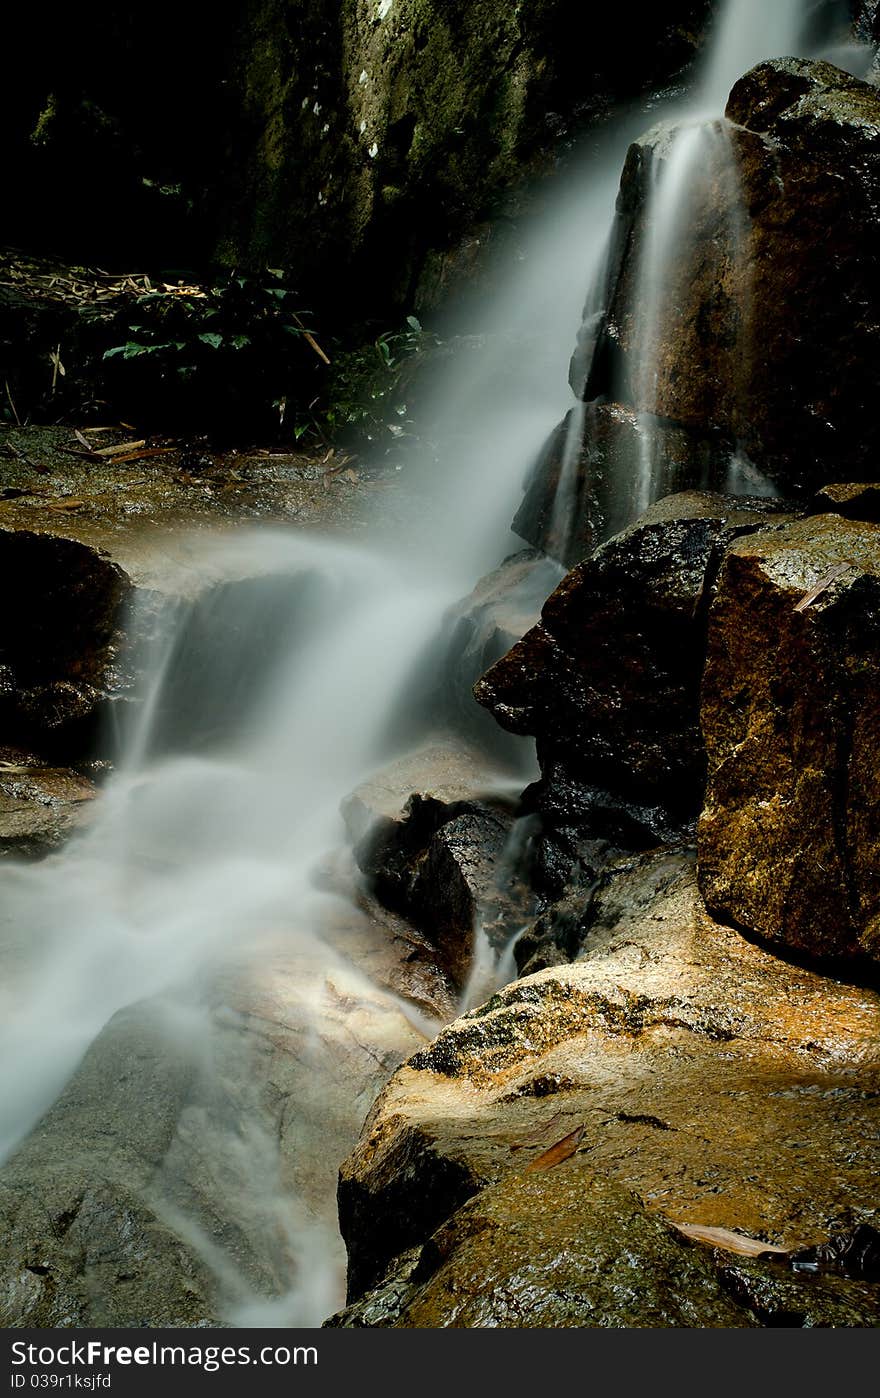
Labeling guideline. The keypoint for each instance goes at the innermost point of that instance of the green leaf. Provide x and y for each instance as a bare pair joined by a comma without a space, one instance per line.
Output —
112,353
414,324
239,341
210,337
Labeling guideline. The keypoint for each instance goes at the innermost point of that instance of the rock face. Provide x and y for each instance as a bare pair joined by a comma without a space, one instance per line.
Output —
193,1154
789,836
811,410
674,1060
343,140
609,680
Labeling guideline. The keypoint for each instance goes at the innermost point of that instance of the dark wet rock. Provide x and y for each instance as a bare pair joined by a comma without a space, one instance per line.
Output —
438,861
789,834
697,1066
60,642
853,501
811,384
40,806
473,634
763,337
584,486
608,682
778,1300
855,1254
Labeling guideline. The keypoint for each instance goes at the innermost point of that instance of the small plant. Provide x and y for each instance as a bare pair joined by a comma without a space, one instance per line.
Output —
365,402
237,347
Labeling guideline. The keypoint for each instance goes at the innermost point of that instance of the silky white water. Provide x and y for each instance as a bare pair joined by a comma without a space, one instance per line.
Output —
200,866
199,869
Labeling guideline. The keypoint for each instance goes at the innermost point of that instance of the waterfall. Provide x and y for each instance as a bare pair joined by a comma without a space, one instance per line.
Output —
689,204
202,882
203,871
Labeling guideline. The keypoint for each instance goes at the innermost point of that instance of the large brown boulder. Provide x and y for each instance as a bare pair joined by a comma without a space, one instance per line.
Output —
760,358
608,682
493,1182
789,838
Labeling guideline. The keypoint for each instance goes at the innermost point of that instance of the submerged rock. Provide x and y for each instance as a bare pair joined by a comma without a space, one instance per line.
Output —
609,680
436,855
789,837
724,1087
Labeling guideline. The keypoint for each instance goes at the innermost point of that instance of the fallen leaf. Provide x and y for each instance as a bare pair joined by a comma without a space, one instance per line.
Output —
139,455
120,448
556,1154
724,1238
810,597
65,504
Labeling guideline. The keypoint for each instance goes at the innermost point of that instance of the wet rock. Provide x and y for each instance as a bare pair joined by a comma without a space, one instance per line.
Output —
473,634
560,1249
584,486
720,1084
81,1245
501,609
437,855
608,682
789,835
776,1299
40,806
855,1254
192,1157
761,336
811,409
860,501
60,642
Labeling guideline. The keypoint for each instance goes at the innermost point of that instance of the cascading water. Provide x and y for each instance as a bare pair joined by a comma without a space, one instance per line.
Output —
195,886
194,890
689,201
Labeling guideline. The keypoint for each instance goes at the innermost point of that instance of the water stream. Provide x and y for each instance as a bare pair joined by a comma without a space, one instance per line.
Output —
200,865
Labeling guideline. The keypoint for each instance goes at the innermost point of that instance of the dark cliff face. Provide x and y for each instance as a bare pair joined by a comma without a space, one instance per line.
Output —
342,140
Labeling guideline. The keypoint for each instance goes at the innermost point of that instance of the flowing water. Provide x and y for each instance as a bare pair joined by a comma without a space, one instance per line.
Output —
199,870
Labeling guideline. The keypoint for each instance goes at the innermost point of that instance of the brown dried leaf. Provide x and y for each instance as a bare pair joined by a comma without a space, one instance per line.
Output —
556,1154
120,448
64,504
724,1238
810,597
